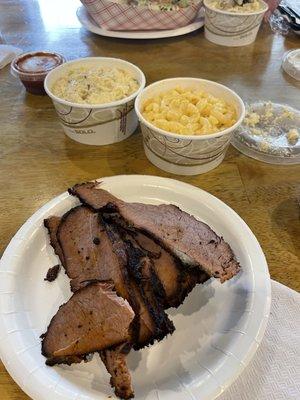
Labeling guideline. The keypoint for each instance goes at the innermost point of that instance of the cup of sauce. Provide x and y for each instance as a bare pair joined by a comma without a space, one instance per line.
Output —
32,69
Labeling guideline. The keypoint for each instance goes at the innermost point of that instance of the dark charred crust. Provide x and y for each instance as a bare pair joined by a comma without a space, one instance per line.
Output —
133,257
184,269
134,234
69,360
117,219
159,336
134,261
52,273
120,393
110,208
114,238
136,257
188,279
54,243
96,241
72,190
46,224
137,260
134,266
159,290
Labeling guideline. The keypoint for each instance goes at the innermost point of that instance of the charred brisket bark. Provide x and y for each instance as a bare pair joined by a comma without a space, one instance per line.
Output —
194,242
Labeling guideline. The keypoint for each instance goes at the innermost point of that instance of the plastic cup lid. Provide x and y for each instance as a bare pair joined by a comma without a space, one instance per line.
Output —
270,133
291,63
7,54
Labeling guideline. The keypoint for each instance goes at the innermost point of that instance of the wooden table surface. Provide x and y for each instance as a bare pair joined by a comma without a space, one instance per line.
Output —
38,161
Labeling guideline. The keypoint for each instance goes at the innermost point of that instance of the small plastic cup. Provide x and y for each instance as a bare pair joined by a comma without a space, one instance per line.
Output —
32,69
291,63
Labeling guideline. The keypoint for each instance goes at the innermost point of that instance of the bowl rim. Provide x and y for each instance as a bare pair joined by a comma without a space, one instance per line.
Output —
21,73
191,137
95,106
238,14
143,7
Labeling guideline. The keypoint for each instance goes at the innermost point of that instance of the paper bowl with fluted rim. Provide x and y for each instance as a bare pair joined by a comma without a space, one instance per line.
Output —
96,124
182,154
232,28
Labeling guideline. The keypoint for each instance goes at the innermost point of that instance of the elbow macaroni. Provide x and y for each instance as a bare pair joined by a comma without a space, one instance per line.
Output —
188,112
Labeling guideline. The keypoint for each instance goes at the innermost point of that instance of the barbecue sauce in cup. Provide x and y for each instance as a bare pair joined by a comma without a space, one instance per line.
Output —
32,68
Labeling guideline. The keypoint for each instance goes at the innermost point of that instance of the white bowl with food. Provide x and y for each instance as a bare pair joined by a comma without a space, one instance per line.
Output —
142,15
94,98
189,129
230,24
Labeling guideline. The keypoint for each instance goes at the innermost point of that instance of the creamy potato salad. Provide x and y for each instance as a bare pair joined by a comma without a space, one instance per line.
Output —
95,85
236,6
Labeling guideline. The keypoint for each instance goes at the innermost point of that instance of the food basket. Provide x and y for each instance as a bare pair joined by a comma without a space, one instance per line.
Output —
141,15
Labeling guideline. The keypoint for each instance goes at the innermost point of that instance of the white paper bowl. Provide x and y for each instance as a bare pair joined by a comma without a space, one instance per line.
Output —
96,124
181,154
230,28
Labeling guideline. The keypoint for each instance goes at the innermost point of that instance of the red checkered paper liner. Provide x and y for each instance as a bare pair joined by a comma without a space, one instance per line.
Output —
122,17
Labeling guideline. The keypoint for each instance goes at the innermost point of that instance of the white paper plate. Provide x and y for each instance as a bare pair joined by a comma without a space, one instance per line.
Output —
88,23
218,328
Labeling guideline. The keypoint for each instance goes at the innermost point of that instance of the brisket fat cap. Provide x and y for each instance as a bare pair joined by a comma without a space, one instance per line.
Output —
193,241
94,319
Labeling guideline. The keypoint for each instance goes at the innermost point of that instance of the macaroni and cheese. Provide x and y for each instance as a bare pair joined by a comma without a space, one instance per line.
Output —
95,85
189,112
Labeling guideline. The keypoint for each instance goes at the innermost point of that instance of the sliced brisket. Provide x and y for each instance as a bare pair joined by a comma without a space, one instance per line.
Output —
140,269
176,279
89,254
116,365
87,251
137,248
94,319
178,232
52,224
52,273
